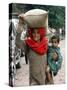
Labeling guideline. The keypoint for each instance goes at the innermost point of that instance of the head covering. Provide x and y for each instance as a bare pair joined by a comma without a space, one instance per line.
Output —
41,31
38,47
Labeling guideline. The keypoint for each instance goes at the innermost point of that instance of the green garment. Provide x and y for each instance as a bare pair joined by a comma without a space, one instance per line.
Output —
54,65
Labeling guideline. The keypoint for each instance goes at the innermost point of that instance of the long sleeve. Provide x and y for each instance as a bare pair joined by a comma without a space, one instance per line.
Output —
20,43
59,61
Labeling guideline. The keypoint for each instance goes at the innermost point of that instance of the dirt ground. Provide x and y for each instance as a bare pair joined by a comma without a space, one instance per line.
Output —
22,74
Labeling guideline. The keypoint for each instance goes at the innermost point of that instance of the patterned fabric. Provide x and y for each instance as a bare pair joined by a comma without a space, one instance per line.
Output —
54,65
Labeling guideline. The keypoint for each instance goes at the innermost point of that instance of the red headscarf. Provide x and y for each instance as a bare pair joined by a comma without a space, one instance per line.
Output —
38,47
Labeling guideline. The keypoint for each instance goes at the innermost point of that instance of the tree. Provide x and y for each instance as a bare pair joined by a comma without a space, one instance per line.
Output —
57,17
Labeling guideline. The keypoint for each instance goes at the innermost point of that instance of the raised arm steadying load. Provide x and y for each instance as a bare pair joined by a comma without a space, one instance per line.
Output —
19,42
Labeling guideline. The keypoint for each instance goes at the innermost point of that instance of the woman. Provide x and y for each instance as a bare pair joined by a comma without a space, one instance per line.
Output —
35,46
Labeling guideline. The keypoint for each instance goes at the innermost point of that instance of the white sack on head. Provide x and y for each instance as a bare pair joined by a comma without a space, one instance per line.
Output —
36,18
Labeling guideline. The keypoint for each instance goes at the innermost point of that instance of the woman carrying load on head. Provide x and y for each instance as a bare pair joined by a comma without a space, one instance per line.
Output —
36,46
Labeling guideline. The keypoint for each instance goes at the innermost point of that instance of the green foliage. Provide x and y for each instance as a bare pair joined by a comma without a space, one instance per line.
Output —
57,17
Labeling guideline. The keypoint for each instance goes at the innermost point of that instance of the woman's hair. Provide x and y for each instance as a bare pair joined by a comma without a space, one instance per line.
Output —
41,30
55,37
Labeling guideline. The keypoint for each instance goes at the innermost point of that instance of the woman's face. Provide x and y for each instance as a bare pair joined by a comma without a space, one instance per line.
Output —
36,35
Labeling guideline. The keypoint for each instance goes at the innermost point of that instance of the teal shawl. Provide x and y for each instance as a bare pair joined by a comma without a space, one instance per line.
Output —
54,66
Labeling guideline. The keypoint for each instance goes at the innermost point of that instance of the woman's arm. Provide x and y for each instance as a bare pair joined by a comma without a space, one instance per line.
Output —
18,40
19,43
